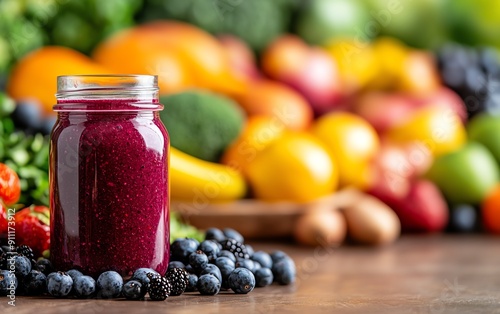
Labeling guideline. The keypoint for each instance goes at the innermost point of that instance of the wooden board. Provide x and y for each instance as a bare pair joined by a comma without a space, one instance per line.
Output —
256,219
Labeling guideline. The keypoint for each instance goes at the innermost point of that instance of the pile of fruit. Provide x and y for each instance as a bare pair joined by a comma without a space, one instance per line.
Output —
221,262
303,122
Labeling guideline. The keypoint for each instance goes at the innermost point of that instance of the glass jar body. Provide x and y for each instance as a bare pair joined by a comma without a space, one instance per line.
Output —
109,187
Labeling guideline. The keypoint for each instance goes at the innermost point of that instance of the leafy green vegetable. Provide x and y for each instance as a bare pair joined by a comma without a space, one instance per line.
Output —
179,229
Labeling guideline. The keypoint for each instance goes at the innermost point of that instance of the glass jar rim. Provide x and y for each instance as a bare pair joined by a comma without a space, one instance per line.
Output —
68,84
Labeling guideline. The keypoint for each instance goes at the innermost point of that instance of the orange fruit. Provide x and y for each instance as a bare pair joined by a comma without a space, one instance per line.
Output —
352,142
202,58
491,211
285,57
259,132
295,168
128,52
277,100
35,75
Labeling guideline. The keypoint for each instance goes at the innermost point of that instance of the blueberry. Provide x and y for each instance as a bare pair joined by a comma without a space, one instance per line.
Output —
35,283
27,115
189,269
84,286
198,260
249,250
227,254
8,282
256,265
141,275
284,271
233,234
463,218
263,277
182,248
192,283
212,269
45,266
210,248
109,284
133,290
73,273
277,256
245,263
175,264
208,284
22,265
226,267
214,234
47,124
241,280
263,259
59,284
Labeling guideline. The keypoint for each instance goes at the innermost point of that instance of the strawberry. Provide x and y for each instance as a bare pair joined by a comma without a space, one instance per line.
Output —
10,186
32,228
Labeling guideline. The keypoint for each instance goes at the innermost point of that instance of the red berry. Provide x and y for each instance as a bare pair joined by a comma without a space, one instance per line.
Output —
32,228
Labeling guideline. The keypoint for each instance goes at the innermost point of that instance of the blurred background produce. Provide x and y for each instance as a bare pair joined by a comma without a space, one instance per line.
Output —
330,120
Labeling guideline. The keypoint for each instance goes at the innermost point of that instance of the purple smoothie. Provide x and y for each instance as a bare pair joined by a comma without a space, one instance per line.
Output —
109,187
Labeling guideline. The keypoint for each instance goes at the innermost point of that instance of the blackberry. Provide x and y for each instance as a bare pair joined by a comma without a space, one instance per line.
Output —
178,278
26,251
159,287
235,247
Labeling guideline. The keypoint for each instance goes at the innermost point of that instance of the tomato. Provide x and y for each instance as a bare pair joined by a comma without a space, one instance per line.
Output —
297,167
10,186
352,142
491,211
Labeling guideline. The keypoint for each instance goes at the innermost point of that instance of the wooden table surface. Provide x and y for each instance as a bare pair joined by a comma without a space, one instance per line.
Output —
418,274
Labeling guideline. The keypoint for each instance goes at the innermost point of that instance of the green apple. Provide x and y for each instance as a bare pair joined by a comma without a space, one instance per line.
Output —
485,129
466,175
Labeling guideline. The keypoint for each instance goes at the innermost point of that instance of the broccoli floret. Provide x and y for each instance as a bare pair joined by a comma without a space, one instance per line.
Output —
200,123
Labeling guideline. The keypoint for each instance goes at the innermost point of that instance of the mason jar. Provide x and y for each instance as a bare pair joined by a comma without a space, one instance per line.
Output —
109,186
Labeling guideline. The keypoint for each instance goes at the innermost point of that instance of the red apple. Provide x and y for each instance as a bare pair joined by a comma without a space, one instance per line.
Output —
384,110
422,209
310,70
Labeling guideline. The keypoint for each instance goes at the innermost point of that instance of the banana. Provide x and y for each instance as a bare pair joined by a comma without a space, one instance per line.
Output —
196,180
